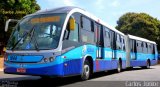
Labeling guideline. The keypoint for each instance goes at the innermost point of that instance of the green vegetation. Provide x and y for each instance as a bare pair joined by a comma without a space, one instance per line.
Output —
140,24
14,9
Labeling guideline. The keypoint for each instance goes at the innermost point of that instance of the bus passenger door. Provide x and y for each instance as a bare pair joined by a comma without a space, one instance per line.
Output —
133,49
99,44
113,44
113,48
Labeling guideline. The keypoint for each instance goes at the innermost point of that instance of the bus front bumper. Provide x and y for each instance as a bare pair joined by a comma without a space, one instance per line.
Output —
34,69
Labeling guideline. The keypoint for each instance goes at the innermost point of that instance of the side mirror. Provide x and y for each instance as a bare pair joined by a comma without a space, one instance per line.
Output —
72,24
7,23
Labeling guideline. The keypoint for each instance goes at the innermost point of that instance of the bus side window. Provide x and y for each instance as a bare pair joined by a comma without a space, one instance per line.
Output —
135,48
73,35
87,30
113,40
107,42
86,24
118,43
131,45
153,49
149,48
123,45
144,47
155,46
139,46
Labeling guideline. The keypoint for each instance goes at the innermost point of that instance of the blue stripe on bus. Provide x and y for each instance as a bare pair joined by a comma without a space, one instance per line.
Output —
143,56
141,59
154,62
101,65
134,63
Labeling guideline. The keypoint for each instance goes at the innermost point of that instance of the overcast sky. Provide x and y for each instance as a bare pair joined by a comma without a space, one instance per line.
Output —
108,10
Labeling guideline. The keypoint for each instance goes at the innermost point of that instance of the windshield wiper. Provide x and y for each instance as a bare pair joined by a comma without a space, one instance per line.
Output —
35,40
26,33
24,36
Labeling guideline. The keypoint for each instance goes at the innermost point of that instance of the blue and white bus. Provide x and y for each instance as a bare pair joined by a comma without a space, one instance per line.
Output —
70,41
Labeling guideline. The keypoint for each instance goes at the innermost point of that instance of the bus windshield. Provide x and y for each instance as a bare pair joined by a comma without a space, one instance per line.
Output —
37,32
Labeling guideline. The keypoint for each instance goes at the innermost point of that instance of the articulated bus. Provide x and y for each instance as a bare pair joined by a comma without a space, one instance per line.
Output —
70,41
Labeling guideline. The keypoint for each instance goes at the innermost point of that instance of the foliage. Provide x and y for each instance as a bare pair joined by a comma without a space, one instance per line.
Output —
140,24
14,9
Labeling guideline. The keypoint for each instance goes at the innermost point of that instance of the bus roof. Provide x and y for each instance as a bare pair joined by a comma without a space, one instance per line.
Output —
68,9
65,9
141,39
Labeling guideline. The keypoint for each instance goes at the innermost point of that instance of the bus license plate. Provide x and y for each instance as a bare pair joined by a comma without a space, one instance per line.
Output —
21,70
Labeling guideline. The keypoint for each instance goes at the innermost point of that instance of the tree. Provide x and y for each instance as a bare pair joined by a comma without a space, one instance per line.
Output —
14,9
140,24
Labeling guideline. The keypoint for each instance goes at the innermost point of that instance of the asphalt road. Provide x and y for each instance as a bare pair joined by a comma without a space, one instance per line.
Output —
135,77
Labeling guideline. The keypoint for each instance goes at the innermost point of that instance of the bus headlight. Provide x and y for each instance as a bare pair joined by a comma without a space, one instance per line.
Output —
51,59
45,59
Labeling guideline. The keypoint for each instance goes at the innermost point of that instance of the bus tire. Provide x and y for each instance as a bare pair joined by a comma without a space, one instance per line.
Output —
119,68
86,71
147,66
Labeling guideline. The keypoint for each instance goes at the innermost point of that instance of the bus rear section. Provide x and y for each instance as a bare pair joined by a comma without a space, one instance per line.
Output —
141,52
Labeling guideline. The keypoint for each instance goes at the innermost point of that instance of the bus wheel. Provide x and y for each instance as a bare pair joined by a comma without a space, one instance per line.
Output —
86,71
148,65
119,69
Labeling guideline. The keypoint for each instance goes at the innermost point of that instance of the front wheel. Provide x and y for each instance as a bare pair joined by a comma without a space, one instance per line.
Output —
86,71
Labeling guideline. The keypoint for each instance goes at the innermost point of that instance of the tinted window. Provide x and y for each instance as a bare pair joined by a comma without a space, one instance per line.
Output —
118,42
149,48
113,40
86,24
73,36
139,46
107,38
123,43
145,47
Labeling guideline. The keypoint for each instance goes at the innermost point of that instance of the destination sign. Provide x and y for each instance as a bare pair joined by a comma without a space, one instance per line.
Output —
46,19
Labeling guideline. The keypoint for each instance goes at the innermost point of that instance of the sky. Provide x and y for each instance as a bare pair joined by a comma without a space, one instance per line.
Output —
108,10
